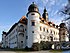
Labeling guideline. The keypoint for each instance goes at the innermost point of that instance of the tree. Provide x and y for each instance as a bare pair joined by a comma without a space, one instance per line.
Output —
66,11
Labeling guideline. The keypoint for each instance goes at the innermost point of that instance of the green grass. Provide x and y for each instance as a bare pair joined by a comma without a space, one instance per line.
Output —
55,50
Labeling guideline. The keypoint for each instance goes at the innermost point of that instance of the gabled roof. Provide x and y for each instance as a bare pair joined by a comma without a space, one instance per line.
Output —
23,20
12,28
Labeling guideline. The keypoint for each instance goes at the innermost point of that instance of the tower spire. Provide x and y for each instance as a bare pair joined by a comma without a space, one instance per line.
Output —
45,14
45,9
33,8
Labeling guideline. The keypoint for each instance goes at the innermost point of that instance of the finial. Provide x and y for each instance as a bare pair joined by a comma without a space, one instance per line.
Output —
33,2
44,9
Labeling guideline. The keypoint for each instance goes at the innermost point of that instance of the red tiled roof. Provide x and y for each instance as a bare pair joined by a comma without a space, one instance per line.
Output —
23,20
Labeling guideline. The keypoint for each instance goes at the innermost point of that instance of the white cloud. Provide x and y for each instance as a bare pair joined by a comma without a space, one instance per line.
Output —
64,4
55,13
36,1
45,1
49,9
50,5
50,2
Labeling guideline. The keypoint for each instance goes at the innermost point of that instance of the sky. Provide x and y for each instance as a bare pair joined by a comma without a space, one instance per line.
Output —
12,10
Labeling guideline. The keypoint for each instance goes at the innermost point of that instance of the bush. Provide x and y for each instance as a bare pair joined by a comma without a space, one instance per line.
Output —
45,45
36,46
40,46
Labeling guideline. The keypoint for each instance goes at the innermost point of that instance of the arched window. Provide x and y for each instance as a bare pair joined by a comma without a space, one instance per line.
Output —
21,34
21,28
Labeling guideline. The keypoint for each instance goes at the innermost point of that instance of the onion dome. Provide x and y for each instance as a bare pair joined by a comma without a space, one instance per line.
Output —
62,25
33,8
45,14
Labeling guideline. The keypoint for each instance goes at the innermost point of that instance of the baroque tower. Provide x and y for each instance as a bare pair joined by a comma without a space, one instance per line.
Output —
33,16
45,14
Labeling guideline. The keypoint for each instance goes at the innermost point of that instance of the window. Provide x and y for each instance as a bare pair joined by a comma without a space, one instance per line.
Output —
40,28
63,33
32,14
54,32
47,31
51,31
40,36
21,26
21,41
42,20
2,38
25,29
23,35
51,38
16,36
33,23
48,38
32,31
54,38
43,29
26,37
15,42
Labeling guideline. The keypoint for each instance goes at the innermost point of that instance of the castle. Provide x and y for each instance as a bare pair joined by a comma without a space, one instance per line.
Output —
31,29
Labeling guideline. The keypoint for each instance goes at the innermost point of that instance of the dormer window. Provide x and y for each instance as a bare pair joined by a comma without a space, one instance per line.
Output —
32,14
21,28
42,20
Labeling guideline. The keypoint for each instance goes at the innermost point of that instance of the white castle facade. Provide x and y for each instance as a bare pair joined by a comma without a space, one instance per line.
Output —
31,29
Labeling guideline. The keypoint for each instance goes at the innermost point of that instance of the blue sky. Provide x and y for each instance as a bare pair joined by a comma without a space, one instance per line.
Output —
12,10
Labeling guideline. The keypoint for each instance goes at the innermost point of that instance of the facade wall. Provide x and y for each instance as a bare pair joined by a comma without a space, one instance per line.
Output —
35,34
25,35
16,38
48,31
12,38
63,34
22,36
31,29
3,40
